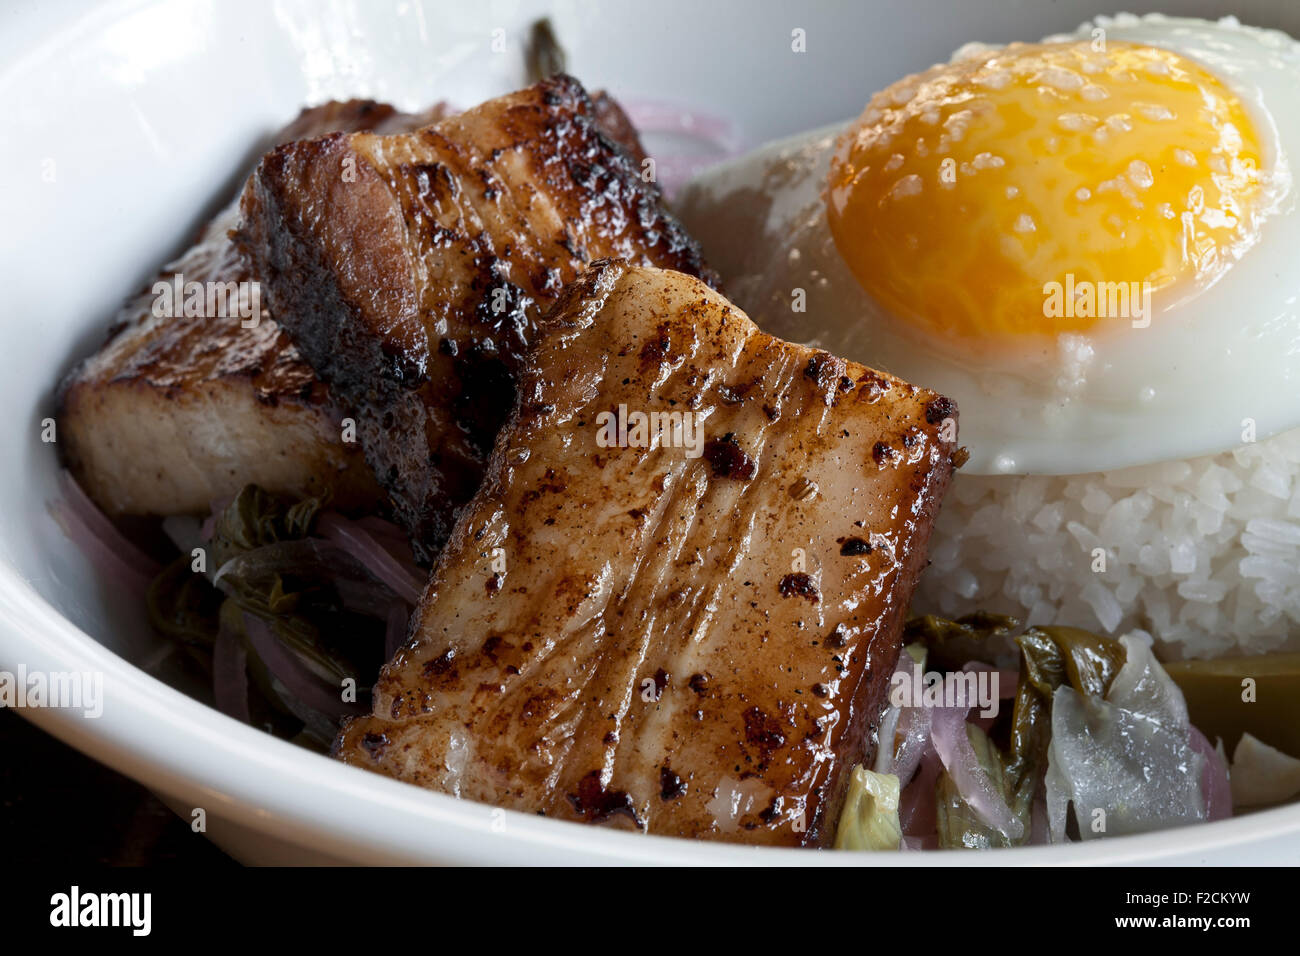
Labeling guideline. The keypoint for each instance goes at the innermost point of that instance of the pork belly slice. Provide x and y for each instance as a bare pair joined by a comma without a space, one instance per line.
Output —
693,646
411,271
176,412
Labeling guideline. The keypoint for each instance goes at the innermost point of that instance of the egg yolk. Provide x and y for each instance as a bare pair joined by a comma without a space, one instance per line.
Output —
963,193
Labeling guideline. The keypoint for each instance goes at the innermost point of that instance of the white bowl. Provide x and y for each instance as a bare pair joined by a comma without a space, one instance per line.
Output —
128,123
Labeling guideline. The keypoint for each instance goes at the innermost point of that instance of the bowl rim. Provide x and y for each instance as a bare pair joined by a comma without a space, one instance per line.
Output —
197,756
182,748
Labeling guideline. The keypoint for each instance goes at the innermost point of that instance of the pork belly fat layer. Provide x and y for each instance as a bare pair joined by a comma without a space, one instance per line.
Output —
411,270
176,412
694,646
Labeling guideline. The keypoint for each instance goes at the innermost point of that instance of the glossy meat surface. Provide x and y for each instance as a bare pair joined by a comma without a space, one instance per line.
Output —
411,270
177,411
692,645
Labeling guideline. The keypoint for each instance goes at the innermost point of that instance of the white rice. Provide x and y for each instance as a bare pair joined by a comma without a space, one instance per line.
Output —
1204,554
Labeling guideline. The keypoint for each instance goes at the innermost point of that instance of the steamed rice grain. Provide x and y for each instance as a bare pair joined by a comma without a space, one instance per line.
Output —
1204,554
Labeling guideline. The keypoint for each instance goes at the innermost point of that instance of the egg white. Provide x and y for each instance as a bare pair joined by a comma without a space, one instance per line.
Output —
1211,370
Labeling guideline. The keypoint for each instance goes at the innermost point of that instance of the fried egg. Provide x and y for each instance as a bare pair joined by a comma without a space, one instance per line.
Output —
1089,242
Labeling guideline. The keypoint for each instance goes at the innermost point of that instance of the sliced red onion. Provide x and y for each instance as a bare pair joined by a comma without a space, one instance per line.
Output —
948,731
672,172
888,742
104,529
917,809
300,680
1214,778
107,548
1006,686
1007,679
101,555
887,737
704,140
230,675
1007,682
904,731
914,739
656,117
378,560
392,537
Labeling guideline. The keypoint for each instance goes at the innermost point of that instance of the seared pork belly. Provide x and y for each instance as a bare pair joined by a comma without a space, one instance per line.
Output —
686,628
177,410
617,125
411,270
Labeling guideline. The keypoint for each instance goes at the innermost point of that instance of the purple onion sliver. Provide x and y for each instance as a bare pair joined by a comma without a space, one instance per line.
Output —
917,810
948,731
651,117
385,532
96,523
230,675
1007,679
98,552
294,674
912,726
884,762
914,722
674,172
373,556
1214,778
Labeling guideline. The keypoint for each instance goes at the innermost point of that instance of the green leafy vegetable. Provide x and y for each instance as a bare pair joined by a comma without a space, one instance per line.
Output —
1054,655
182,605
1050,657
316,600
869,820
975,637
257,518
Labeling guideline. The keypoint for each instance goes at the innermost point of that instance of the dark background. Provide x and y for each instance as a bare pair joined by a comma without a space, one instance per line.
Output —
59,807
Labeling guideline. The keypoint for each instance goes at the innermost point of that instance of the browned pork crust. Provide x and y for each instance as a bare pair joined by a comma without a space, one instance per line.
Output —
411,270
693,646
174,412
